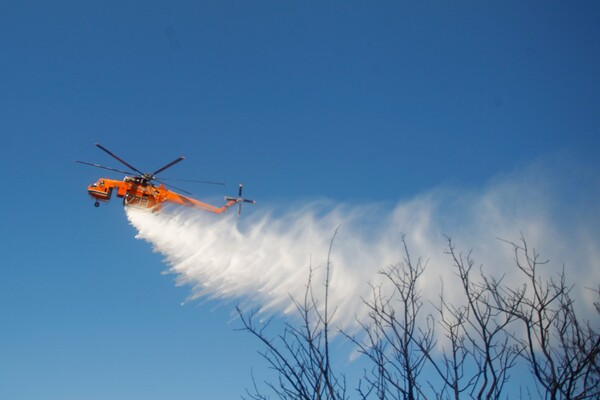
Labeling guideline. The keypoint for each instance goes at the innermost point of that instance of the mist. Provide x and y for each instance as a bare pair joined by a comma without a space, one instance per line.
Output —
264,258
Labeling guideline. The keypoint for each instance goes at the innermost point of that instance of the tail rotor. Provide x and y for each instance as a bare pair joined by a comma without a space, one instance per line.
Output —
239,200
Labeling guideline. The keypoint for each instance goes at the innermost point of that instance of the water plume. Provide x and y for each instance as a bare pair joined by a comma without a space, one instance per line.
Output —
263,259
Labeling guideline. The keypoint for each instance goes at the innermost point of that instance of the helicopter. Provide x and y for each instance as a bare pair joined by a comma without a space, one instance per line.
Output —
144,191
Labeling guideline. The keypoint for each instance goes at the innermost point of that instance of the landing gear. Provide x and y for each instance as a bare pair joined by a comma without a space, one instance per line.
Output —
96,204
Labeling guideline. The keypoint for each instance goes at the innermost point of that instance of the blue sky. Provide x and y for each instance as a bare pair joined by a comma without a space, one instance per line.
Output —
354,102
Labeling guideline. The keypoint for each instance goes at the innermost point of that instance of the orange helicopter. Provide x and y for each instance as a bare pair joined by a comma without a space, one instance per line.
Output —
140,191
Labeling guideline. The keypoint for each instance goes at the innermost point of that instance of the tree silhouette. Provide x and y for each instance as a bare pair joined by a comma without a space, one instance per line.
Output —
458,350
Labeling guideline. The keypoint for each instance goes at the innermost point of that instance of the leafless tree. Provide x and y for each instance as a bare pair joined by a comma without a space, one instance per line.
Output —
561,350
479,352
300,356
472,359
460,349
392,337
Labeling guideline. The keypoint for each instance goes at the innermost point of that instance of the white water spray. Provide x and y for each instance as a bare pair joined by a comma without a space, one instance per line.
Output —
264,260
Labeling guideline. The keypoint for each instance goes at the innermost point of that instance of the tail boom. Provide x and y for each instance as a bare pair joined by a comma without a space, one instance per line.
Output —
180,199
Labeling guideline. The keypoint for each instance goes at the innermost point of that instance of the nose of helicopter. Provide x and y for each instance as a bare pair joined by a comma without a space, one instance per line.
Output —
98,190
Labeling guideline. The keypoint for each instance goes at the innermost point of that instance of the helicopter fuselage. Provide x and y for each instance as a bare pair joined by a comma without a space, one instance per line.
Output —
133,191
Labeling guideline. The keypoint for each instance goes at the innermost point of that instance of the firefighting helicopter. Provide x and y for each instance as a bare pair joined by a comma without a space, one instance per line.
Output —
146,192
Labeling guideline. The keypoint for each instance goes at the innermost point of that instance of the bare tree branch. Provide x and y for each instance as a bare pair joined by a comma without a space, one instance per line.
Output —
300,355
464,349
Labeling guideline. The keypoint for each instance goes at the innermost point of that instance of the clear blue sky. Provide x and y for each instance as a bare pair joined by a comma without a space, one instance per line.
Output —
350,101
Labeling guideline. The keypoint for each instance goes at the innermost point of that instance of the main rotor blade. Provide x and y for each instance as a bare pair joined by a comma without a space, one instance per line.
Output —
102,166
119,159
193,180
174,187
168,165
